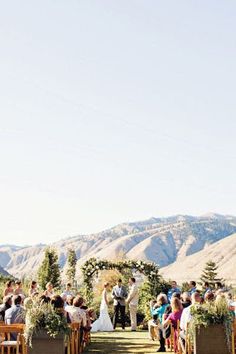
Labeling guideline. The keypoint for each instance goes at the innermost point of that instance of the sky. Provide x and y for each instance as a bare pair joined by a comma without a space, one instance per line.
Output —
114,111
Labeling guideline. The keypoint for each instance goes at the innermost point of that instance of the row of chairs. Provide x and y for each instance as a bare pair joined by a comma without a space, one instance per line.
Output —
78,340
12,339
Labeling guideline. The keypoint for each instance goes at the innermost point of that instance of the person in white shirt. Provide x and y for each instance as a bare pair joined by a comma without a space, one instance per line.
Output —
132,301
186,318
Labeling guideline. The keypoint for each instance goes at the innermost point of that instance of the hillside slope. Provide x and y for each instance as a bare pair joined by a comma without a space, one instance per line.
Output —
222,252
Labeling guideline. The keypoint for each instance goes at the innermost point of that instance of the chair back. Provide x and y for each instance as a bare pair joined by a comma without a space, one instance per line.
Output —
75,347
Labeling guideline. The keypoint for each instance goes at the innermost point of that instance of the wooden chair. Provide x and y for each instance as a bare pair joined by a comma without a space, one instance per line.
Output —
234,337
174,336
6,341
75,340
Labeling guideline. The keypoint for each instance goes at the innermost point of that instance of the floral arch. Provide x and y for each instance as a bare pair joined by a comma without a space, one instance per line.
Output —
93,266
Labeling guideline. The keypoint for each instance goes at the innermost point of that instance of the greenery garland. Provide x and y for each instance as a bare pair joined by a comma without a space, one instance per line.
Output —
93,266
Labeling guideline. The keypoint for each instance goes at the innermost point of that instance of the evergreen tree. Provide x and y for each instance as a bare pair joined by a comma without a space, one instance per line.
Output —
71,266
49,270
209,273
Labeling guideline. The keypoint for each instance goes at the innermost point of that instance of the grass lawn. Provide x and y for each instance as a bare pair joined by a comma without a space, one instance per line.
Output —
123,342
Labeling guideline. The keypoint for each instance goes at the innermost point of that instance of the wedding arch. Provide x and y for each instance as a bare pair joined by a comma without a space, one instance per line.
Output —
91,268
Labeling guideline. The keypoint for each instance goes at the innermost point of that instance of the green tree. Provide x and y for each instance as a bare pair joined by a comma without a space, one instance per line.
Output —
49,271
71,266
209,273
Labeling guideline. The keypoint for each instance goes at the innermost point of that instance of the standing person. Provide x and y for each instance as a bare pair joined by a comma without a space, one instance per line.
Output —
67,292
132,301
103,323
193,287
173,289
119,294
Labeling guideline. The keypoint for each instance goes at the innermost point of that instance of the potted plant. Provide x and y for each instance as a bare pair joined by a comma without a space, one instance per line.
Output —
211,327
45,330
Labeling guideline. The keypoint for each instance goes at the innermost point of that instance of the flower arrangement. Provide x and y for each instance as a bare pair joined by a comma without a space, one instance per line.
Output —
211,313
44,317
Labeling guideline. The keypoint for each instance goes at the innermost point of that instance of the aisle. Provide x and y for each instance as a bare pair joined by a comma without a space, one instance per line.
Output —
122,342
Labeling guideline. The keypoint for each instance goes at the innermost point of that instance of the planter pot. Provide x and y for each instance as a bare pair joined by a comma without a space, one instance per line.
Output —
42,343
211,340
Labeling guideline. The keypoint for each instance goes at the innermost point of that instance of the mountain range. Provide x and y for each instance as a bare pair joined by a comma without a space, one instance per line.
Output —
179,244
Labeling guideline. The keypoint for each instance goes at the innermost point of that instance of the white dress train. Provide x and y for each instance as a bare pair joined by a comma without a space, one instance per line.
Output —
103,323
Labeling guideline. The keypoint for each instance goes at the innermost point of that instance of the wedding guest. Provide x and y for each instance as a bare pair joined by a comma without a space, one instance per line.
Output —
206,288
132,301
18,288
174,317
16,313
193,287
186,317
49,292
158,310
58,304
9,289
75,312
67,291
7,303
33,288
209,296
186,299
173,289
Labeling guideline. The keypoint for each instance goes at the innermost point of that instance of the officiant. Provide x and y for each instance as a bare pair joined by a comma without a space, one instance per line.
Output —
119,294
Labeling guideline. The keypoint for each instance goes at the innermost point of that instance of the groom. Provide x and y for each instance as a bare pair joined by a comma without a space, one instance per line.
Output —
119,294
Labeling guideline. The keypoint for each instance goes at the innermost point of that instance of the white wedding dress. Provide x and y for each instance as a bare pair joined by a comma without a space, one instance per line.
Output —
103,323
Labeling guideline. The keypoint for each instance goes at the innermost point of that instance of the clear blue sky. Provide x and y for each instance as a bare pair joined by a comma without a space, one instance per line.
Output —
114,111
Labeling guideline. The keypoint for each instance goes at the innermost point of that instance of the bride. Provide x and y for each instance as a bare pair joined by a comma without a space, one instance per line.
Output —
103,323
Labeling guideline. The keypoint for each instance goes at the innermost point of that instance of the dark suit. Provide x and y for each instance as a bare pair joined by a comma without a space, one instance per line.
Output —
119,295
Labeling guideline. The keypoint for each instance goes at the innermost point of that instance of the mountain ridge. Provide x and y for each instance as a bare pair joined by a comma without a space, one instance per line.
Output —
160,240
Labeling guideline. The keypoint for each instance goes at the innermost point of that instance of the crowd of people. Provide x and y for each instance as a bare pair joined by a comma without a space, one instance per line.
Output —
171,309
174,308
69,304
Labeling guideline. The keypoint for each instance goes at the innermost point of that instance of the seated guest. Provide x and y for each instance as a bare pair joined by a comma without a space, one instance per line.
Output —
49,292
28,303
7,303
186,317
16,313
18,288
209,296
173,289
193,287
33,288
219,287
9,289
44,299
76,314
186,299
174,317
58,304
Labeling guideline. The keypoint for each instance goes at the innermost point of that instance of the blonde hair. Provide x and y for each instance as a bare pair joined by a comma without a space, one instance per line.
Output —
176,304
